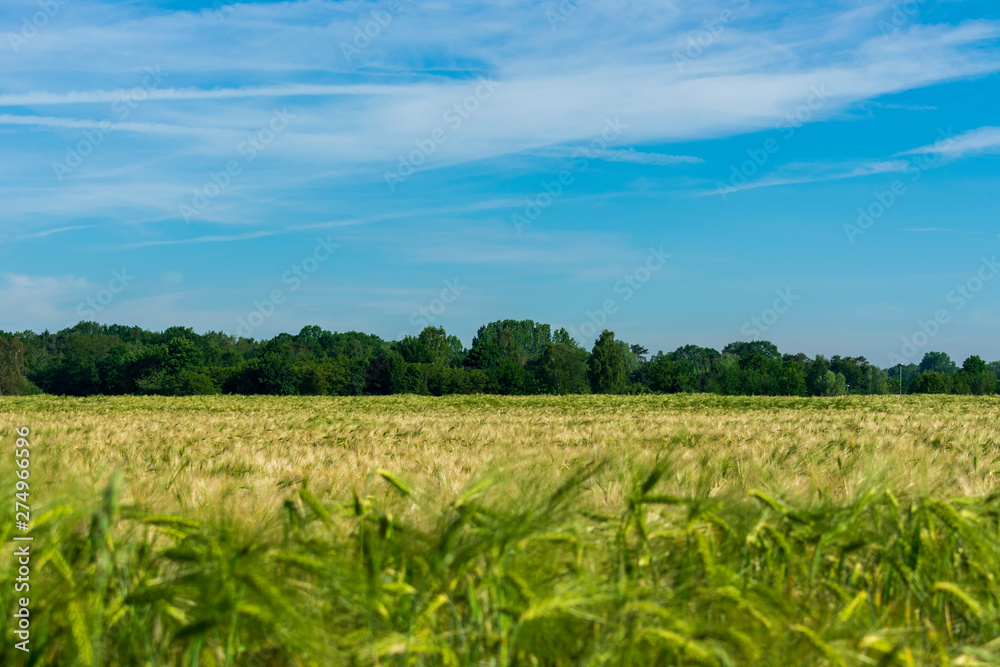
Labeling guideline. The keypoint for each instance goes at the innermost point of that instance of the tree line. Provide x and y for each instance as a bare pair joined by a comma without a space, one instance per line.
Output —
506,357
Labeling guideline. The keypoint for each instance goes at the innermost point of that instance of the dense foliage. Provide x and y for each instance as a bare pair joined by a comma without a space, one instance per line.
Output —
506,357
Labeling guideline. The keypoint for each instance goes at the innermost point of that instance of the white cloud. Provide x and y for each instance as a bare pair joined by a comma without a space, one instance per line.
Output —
656,159
355,119
43,98
799,173
978,141
36,302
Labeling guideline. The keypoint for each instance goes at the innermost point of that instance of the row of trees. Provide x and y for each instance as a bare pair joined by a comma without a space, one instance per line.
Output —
506,357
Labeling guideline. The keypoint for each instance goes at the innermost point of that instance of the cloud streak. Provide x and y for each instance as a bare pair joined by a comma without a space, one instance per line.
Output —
815,173
45,98
983,140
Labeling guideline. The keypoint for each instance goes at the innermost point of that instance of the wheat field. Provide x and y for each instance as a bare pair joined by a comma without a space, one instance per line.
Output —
478,530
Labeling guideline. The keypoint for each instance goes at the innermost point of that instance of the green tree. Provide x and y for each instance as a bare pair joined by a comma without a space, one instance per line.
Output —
525,337
816,375
726,374
974,365
270,374
118,370
929,382
854,370
831,384
386,374
975,378
663,374
876,381
436,344
742,348
562,336
607,366
442,381
13,381
790,379
183,354
182,383
497,354
939,362
697,364
640,352
629,358
563,369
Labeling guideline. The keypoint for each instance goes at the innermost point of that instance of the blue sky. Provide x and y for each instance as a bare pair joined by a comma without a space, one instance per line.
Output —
516,159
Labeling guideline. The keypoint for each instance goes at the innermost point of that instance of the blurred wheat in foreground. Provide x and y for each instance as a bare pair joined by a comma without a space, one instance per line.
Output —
653,530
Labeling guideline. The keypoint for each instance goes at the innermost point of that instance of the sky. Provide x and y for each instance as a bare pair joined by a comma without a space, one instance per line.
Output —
823,175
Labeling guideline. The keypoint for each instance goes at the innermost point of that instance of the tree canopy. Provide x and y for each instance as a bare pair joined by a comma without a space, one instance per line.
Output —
506,357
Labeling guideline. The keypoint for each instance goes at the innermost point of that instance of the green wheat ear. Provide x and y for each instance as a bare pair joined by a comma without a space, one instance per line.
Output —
395,481
310,500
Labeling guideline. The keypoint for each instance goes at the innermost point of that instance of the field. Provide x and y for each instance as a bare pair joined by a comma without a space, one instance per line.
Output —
650,530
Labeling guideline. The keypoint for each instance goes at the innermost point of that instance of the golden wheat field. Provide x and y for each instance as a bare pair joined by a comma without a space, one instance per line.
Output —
508,530
191,453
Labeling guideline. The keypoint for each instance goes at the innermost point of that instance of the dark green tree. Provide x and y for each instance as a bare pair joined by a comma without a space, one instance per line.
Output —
831,384
975,378
930,382
270,374
743,348
938,362
607,366
526,337
640,352
663,374
563,369
696,364
386,374
13,381
437,347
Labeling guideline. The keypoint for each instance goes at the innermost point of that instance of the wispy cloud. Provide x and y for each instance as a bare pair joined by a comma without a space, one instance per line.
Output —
802,173
219,238
978,141
357,118
47,300
628,155
57,230
83,124
656,159
902,107
45,98
920,230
